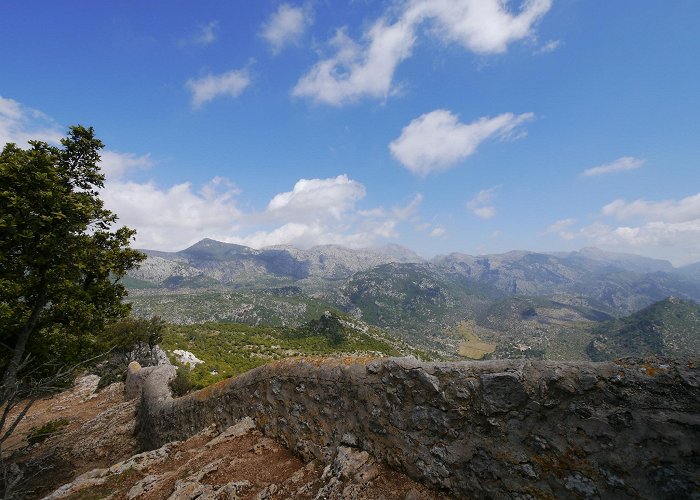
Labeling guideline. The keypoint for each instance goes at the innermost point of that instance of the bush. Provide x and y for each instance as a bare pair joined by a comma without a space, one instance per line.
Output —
40,434
182,383
130,339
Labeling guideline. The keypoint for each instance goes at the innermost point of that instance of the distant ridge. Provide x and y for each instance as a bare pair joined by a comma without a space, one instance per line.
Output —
228,262
524,303
670,327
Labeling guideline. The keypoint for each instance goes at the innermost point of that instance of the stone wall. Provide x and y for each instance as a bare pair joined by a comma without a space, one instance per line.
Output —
494,429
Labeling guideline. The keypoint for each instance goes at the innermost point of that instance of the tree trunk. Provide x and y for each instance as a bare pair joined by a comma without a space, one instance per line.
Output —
9,379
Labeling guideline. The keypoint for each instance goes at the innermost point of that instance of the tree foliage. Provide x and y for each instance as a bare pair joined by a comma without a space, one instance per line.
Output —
61,260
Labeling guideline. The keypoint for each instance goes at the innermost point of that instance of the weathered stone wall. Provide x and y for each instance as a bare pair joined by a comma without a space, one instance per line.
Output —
495,429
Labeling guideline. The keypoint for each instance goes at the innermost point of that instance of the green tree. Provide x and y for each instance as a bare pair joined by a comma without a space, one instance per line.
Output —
61,259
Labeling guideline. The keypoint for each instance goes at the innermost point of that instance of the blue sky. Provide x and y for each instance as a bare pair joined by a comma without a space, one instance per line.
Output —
443,125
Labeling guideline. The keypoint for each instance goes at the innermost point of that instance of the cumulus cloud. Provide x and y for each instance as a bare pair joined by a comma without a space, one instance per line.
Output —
114,164
206,88
317,198
482,204
366,68
482,26
313,212
333,217
286,25
19,124
667,228
437,140
358,70
619,165
176,216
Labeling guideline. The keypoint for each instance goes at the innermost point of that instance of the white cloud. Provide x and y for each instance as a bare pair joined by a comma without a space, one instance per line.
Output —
667,228
206,88
286,25
114,165
561,227
683,210
403,213
619,165
173,217
366,69
438,232
19,124
315,211
357,70
482,26
314,199
207,34
437,140
481,205
322,211
548,47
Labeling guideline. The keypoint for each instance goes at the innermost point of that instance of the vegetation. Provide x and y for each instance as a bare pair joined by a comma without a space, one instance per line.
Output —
471,346
50,428
270,307
228,349
60,259
129,339
182,383
61,262
670,327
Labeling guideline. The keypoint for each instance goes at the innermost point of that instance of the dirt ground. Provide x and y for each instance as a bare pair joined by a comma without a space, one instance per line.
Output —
96,456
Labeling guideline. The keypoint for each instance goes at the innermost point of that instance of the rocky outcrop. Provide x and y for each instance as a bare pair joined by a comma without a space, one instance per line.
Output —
241,463
496,429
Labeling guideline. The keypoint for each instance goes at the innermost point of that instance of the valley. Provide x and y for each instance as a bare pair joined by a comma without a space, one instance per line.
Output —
560,306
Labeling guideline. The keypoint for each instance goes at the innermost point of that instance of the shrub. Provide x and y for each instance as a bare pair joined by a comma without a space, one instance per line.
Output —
182,383
50,428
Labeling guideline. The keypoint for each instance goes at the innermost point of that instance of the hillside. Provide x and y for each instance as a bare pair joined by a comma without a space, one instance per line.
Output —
538,328
223,350
414,301
670,327
426,303
281,306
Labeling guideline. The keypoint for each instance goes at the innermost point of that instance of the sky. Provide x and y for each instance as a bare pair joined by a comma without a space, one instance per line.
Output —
473,126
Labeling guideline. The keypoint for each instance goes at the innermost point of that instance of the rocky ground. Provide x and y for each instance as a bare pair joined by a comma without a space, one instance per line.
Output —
96,456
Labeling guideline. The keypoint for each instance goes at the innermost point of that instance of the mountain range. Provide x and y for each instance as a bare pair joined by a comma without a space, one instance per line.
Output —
521,303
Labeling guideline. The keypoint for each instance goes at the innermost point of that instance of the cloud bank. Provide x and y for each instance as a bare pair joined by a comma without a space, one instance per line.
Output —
313,212
666,228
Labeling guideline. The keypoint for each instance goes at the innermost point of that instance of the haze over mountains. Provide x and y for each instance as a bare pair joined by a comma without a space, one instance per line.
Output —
504,305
